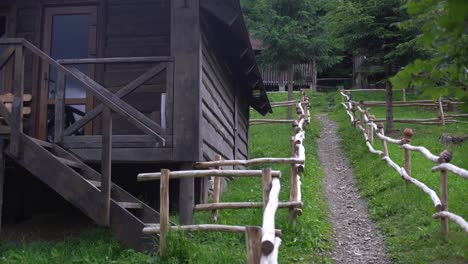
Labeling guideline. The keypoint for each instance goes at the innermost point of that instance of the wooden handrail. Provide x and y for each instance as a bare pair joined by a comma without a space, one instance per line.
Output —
105,96
208,164
116,60
205,173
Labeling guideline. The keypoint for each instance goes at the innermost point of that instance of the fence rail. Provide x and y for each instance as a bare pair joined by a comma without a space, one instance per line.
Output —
366,124
262,242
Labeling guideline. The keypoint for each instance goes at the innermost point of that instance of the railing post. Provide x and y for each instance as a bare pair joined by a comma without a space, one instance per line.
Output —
59,107
253,237
370,130
164,210
361,115
216,192
266,180
353,111
16,124
106,164
380,128
444,157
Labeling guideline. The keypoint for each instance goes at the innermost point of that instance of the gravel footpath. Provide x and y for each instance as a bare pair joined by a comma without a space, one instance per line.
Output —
356,238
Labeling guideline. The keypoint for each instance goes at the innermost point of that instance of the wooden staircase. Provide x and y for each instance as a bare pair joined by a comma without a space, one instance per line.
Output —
80,185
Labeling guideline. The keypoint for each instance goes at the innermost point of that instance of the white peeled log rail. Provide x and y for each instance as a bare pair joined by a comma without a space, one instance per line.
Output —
423,150
247,163
455,218
435,199
279,121
273,257
268,237
300,152
205,173
450,167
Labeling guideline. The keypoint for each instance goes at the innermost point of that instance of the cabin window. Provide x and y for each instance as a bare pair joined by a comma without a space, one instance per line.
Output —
3,26
69,40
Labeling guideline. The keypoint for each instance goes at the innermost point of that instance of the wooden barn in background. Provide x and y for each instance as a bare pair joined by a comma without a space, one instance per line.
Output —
96,91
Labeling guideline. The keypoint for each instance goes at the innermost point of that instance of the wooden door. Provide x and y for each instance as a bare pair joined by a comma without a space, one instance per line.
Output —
68,33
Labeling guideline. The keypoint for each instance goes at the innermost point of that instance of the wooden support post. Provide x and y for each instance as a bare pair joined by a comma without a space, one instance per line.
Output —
59,123
353,111
441,111
16,125
106,165
253,237
370,130
266,179
384,143
404,94
2,181
216,192
444,157
186,197
163,210
407,136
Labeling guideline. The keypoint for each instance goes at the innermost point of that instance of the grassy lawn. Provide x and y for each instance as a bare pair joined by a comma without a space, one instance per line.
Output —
404,214
310,241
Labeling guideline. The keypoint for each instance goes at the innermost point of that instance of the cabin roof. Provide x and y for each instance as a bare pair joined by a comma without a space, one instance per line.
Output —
226,20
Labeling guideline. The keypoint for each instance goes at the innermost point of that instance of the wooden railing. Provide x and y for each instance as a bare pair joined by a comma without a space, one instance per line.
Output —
366,124
110,103
262,242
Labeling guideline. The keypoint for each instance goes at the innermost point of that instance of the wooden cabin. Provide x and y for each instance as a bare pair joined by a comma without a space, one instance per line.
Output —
89,86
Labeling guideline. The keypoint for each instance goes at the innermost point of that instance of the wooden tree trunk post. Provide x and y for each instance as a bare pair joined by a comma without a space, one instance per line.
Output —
314,75
266,179
380,127
444,157
290,89
59,124
106,164
388,98
253,237
407,136
441,111
404,94
164,210
216,192
16,125
2,180
361,117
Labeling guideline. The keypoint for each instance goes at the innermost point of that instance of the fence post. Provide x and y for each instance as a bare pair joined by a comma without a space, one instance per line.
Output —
361,114
380,127
407,135
444,157
441,111
370,131
266,179
164,210
253,237
353,111
404,95
216,192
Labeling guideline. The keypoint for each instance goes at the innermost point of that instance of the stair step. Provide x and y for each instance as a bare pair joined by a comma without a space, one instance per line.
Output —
95,183
70,163
130,205
44,144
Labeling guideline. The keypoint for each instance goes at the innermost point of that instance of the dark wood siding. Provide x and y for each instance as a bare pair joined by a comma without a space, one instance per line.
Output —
222,107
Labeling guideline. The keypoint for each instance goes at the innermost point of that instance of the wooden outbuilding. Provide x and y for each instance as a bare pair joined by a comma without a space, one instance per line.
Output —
88,86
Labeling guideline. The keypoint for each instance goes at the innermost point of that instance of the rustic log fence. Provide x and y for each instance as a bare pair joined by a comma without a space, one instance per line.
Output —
440,106
262,242
366,124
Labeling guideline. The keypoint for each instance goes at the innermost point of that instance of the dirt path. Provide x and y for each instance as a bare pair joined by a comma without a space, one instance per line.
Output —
356,238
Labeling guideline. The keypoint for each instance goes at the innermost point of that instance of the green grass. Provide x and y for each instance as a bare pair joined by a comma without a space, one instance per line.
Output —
404,214
310,241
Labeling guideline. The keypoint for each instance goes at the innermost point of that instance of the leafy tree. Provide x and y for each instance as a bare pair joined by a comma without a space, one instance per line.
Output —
442,70
293,32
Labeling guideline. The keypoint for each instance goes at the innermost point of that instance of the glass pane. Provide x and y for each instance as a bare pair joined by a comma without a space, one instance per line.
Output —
2,48
70,40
